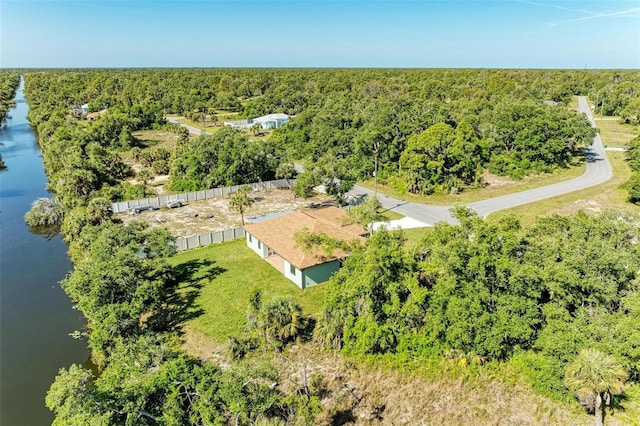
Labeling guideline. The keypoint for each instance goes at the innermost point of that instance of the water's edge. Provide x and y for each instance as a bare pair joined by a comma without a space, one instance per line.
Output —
36,316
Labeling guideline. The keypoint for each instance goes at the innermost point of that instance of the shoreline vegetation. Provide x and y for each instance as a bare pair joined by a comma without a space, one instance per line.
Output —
9,82
490,307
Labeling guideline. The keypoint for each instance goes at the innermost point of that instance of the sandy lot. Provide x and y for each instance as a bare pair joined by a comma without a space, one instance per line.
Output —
201,217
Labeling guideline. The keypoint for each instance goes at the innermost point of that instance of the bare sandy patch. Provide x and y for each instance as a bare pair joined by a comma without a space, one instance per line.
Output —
202,217
489,179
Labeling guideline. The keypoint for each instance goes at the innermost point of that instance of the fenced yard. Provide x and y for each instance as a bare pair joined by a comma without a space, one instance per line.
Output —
203,240
161,200
205,217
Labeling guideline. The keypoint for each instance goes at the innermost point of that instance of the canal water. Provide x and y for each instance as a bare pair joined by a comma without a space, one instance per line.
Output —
36,316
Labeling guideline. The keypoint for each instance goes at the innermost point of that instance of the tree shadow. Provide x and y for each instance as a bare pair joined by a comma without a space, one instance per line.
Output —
46,232
180,302
617,405
591,156
343,417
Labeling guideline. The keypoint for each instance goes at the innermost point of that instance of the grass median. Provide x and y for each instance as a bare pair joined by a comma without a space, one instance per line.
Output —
495,186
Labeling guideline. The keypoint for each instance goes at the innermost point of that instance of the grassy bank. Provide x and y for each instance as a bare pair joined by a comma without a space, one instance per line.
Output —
615,134
595,199
496,186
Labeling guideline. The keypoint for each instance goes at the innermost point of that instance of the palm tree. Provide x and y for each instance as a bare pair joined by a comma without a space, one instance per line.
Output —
330,328
595,376
144,176
240,201
99,210
135,152
255,303
256,128
286,171
282,321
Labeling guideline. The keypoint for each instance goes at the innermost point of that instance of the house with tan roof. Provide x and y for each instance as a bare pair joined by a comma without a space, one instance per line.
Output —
274,241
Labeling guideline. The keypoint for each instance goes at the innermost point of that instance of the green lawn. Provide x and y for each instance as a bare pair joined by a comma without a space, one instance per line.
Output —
616,134
414,236
198,125
216,282
390,214
156,139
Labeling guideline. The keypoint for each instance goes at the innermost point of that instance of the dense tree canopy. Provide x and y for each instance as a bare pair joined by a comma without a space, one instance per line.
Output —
119,281
633,159
360,116
223,159
149,381
9,81
442,156
8,85
494,290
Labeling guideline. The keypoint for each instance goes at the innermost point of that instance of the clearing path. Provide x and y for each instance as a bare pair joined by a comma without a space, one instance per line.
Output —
214,214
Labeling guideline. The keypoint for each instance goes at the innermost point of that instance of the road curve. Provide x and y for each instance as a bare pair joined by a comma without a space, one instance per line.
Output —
598,170
191,129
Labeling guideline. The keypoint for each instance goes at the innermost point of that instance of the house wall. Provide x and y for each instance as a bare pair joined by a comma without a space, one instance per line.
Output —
296,276
256,245
319,273
273,124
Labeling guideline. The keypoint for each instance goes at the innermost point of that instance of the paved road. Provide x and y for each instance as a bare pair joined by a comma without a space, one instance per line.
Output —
191,129
598,171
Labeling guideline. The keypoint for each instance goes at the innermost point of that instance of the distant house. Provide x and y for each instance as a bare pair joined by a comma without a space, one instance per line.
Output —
270,121
76,110
85,109
274,241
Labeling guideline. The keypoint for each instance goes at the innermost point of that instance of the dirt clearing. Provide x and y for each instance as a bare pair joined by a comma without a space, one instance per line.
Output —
201,217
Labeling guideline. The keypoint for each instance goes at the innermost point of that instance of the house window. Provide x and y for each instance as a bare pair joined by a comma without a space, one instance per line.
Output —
259,244
292,269
249,237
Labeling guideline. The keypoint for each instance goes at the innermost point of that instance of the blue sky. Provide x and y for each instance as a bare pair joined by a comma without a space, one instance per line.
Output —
305,33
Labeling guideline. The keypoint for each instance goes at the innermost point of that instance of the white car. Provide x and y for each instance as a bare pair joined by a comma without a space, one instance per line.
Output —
174,204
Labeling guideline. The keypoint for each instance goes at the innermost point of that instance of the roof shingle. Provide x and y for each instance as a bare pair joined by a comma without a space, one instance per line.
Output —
278,234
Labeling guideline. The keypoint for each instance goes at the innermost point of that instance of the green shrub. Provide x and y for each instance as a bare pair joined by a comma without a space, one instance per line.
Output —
44,212
633,186
543,373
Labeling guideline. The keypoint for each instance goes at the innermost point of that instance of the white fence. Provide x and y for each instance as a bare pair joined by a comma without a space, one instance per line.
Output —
188,243
206,194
